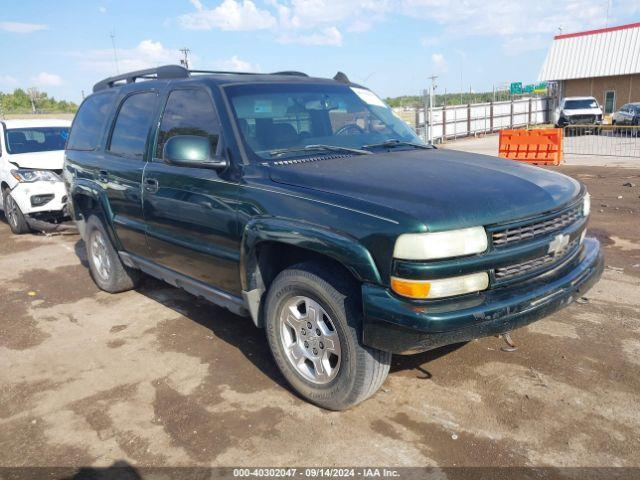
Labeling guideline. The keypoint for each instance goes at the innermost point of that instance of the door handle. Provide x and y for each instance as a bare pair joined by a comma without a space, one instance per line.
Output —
103,176
151,185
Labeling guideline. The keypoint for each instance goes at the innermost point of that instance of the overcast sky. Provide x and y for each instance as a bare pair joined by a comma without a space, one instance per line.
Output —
65,46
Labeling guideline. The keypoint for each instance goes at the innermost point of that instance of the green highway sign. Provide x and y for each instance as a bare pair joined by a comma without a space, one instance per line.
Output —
515,88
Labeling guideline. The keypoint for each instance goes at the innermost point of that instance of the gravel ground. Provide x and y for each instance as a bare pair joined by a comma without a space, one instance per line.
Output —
154,377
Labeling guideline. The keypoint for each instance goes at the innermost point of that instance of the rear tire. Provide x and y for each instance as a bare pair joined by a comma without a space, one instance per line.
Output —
15,218
107,270
324,363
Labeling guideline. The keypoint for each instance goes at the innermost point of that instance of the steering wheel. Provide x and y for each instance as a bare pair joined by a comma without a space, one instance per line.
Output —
349,129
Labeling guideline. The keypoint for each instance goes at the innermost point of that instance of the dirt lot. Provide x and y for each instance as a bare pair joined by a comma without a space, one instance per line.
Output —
154,377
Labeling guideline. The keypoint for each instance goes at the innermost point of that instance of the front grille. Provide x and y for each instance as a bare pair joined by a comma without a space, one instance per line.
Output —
547,260
581,119
529,231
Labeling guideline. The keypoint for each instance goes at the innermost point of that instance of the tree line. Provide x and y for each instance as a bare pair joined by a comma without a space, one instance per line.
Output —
449,99
33,101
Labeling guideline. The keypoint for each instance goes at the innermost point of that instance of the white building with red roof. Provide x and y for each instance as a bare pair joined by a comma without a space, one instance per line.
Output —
603,63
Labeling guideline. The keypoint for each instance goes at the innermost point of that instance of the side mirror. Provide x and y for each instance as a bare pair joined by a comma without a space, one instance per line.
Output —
192,151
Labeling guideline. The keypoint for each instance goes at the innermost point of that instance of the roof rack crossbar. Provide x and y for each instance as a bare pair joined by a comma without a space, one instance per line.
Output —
227,72
221,72
167,72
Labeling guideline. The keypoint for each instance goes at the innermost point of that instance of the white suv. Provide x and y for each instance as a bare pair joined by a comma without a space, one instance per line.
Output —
577,111
31,159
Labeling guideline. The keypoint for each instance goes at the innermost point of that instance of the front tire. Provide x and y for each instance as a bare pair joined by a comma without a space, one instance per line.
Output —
15,218
313,324
107,270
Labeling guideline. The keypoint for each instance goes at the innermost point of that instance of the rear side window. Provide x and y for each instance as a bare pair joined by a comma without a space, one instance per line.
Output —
188,112
132,125
90,122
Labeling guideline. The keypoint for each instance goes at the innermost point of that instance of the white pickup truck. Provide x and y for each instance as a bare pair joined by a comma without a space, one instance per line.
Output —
31,160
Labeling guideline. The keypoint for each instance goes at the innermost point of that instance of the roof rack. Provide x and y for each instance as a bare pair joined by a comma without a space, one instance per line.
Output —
291,73
160,73
168,72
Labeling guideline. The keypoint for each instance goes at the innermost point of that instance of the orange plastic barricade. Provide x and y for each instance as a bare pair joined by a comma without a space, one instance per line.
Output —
542,146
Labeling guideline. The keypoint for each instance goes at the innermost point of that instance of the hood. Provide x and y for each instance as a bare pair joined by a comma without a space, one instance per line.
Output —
582,111
445,189
53,160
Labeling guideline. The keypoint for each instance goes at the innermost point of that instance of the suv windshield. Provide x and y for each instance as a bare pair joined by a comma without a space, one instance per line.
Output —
578,104
35,139
278,120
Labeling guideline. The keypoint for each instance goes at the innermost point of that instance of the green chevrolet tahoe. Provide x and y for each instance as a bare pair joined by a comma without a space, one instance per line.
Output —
305,204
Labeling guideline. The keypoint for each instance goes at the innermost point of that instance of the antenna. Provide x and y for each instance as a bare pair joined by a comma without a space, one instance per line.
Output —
115,51
185,53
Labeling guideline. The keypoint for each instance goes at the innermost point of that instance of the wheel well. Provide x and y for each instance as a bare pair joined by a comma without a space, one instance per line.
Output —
3,186
274,257
84,204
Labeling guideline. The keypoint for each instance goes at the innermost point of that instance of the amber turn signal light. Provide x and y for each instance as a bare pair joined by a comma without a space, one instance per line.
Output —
410,288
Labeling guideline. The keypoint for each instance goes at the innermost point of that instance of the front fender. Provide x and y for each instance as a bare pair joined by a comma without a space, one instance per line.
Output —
343,248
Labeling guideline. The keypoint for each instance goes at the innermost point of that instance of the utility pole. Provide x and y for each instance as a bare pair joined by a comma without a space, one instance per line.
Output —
115,52
185,60
432,88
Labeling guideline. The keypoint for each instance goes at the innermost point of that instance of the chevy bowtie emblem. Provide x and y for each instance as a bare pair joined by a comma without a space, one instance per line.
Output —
558,244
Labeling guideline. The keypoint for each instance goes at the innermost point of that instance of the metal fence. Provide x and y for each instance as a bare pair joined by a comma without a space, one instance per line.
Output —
455,121
602,140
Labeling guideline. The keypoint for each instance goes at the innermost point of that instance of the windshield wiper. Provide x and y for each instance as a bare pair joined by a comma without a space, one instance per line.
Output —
327,148
391,143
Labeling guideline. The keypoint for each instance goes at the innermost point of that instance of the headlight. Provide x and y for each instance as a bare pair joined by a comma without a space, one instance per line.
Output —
25,175
443,287
433,245
586,205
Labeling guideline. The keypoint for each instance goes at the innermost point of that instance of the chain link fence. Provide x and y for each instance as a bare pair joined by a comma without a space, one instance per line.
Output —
602,140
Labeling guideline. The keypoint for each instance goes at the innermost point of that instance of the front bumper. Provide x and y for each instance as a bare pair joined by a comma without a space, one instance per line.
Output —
23,192
396,325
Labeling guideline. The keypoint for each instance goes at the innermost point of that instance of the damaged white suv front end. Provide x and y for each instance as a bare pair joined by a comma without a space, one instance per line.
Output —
31,160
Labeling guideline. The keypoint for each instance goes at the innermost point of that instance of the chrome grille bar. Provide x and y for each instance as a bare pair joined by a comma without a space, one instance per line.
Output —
511,235
547,260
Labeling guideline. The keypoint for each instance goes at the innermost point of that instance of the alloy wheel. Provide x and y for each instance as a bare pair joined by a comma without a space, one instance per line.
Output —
11,211
310,340
99,255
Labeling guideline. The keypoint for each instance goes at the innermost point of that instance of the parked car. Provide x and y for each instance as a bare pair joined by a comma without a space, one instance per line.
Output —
31,158
305,204
577,111
628,116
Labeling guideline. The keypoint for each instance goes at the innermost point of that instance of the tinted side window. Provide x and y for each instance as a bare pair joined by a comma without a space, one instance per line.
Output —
130,132
90,121
188,112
